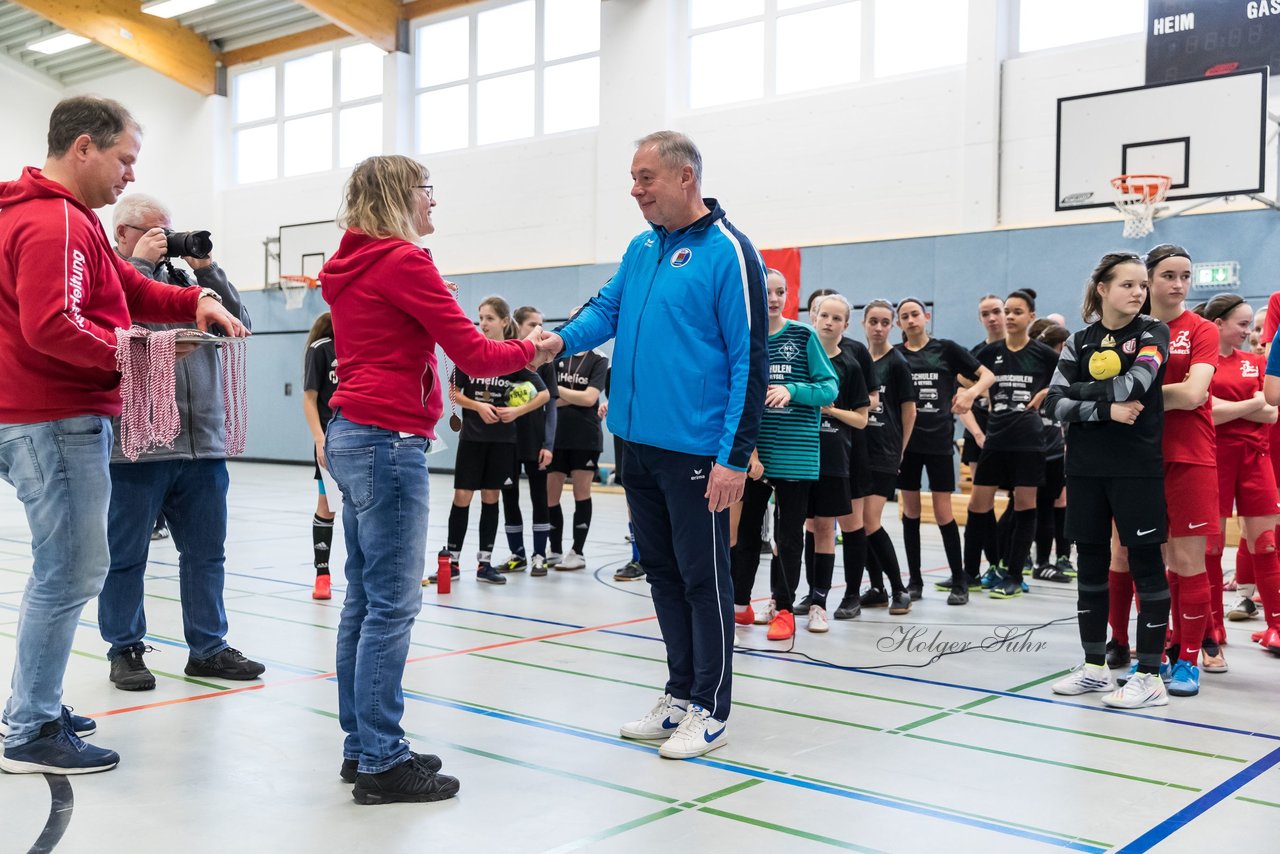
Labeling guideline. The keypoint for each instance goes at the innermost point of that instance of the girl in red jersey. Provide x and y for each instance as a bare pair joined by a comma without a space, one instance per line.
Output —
1245,476
1190,480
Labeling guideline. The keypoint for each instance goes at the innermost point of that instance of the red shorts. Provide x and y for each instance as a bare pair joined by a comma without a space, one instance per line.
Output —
1191,496
1245,478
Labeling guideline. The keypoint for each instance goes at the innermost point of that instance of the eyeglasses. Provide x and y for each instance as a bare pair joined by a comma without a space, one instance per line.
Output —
430,190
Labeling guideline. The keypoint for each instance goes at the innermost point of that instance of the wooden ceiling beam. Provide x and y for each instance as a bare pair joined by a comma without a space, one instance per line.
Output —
284,44
419,8
164,46
375,21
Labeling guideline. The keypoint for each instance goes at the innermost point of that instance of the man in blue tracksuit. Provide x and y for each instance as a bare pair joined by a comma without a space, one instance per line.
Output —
688,314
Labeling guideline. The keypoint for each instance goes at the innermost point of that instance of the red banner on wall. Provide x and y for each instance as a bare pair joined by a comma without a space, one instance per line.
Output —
786,262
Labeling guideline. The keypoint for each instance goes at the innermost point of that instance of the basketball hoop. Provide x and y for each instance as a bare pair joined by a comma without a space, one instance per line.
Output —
295,290
1136,200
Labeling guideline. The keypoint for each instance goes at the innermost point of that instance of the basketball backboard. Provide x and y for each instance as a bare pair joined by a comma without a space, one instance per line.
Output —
300,249
1208,135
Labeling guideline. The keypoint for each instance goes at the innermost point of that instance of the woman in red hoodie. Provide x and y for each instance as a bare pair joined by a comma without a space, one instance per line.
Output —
390,309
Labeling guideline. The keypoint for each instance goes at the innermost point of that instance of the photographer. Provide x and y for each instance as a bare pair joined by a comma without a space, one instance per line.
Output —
187,482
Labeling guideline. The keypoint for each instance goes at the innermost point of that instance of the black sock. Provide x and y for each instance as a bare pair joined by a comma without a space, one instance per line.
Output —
1044,532
1024,531
557,528
881,547
955,556
488,531
824,568
911,544
1063,546
977,533
512,518
581,523
991,544
809,566
1004,534
1146,566
855,561
321,542
1093,601
457,529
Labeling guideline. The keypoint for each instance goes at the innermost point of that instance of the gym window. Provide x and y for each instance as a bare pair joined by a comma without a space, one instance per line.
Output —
507,72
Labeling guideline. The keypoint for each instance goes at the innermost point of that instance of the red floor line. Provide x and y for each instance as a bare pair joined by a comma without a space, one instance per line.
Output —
318,676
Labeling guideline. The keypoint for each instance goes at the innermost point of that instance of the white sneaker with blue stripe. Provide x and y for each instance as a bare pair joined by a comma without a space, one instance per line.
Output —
697,734
660,723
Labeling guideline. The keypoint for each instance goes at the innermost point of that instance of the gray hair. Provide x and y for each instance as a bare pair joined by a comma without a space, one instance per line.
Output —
135,205
675,150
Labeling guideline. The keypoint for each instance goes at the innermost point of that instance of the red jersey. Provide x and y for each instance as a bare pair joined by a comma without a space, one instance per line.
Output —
1272,320
1239,377
1188,433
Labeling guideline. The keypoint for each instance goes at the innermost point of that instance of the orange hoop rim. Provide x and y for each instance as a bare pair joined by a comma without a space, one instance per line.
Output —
309,281
1146,187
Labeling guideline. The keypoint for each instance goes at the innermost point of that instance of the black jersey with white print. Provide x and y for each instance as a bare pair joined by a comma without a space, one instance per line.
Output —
884,421
532,430
495,391
862,356
320,374
835,436
579,426
1020,376
934,368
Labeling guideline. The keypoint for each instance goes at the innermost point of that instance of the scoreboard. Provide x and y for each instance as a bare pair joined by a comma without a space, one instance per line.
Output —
1187,39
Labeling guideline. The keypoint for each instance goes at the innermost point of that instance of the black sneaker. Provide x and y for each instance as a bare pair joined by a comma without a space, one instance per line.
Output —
1008,588
350,767
959,595
900,604
1049,572
802,607
850,608
489,575
228,664
915,589
874,598
633,571
128,673
538,566
455,572
58,750
515,563
1118,656
406,783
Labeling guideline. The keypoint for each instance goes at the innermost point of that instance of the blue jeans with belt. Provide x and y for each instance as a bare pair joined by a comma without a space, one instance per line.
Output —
385,487
59,469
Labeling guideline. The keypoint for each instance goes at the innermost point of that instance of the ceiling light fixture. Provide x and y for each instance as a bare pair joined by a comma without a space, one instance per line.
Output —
174,8
57,43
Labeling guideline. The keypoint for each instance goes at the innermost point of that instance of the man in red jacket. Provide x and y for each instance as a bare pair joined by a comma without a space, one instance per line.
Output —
63,293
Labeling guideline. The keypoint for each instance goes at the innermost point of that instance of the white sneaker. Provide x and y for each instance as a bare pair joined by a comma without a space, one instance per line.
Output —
1084,679
1142,690
661,721
571,560
817,619
697,734
765,616
1243,608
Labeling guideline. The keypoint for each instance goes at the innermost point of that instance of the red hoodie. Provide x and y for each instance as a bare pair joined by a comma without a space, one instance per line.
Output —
63,292
390,308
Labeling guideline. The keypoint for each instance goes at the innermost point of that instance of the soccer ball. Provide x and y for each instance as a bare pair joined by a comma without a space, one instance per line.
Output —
520,394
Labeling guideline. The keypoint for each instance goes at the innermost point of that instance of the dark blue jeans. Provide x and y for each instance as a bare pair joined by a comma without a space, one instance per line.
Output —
385,487
684,549
193,496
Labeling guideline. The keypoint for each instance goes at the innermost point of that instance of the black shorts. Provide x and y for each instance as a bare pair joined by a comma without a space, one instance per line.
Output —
484,465
1136,504
1008,469
884,484
941,469
1055,477
619,454
829,497
567,460
859,469
969,450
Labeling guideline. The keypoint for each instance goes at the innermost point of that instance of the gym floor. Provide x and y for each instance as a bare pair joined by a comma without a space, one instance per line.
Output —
521,688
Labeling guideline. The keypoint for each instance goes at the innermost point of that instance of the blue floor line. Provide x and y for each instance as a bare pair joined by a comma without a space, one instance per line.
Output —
1201,805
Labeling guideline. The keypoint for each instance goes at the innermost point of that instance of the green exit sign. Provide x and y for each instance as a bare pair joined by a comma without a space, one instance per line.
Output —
1215,276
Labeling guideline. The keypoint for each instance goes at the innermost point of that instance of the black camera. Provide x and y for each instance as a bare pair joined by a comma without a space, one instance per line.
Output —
188,244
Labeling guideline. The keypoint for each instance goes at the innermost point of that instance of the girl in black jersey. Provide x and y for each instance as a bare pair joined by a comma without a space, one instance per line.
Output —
535,439
1012,447
319,382
991,313
936,368
1107,390
889,427
1051,504
486,458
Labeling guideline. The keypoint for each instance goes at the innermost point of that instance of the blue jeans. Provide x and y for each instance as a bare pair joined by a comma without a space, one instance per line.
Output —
60,471
385,487
193,496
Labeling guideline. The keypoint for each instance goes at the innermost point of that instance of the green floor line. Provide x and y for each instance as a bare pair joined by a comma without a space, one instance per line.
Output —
790,831
1054,762
973,704
731,790
1257,801
1116,738
770,679
579,844
952,810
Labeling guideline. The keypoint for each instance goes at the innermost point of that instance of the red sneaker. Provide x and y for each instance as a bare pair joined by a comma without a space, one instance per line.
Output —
1257,636
321,590
1270,641
744,617
783,626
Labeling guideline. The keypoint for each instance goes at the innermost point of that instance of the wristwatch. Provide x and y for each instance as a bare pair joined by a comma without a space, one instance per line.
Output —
210,292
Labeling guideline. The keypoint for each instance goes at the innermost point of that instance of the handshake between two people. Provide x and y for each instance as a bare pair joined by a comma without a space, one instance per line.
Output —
547,345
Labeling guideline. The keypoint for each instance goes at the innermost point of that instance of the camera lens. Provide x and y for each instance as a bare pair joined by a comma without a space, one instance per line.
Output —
189,244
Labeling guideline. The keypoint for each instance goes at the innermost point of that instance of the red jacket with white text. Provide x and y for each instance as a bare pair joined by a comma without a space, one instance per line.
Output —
63,292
